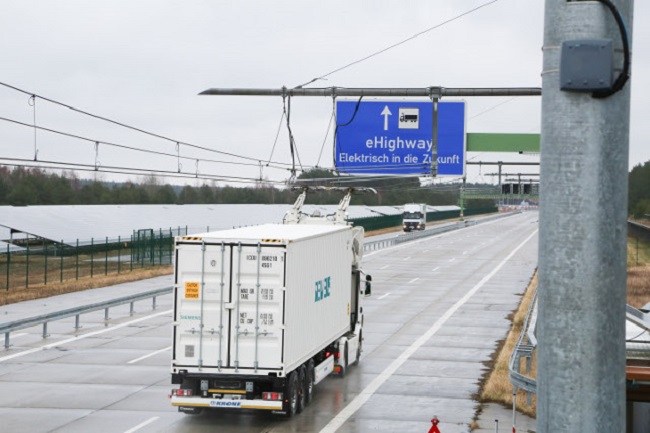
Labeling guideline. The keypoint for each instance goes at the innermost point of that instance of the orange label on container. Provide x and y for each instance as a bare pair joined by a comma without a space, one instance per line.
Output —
191,290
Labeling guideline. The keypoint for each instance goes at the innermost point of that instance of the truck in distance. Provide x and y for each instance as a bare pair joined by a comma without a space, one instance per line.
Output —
414,217
264,313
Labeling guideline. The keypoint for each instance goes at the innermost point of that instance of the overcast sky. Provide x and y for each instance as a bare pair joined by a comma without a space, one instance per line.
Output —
144,62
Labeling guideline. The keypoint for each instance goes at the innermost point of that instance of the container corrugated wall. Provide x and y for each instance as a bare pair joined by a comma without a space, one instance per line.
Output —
318,295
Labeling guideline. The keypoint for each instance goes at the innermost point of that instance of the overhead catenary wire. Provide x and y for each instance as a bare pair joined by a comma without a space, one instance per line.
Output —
327,132
132,148
124,125
390,47
59,165
275,142
492,108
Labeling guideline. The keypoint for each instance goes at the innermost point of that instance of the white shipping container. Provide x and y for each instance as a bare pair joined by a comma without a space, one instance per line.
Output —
261,300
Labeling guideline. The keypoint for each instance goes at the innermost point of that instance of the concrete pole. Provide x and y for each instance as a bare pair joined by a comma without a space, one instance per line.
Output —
582,237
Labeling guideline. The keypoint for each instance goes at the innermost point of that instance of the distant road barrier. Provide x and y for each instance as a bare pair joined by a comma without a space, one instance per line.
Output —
406,237
8,327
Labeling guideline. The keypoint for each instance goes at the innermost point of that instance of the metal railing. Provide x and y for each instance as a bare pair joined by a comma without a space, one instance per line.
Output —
8,327
524,349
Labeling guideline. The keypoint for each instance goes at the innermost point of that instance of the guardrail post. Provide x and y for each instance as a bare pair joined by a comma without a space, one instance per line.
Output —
514,407
7,340
45,269
8,264
119,252
106,257
61,254
529,395
131,309
27,266
154,302
92,255
45,334
106,318
76,322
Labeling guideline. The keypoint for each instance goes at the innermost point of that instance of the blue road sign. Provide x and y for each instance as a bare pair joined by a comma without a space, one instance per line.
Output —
379,137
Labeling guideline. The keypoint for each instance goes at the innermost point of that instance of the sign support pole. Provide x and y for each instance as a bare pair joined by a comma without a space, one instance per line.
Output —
435,97
582,233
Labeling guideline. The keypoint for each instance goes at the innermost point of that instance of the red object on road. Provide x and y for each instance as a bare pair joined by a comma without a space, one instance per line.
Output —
434,427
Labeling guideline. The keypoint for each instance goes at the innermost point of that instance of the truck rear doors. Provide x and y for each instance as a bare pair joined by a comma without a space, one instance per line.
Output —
229,306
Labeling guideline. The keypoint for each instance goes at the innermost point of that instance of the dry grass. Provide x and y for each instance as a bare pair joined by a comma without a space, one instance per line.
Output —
497,387
638,286
638,252
41,291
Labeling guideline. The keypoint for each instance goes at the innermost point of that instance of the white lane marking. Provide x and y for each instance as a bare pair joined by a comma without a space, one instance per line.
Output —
383,296
425,251
435,269
406,258
452,259
133,361
378,381
143,424
413,280
465,252
384,267
81,337
20,334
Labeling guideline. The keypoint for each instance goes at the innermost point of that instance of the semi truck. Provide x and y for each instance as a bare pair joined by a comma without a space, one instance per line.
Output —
262,314
414,217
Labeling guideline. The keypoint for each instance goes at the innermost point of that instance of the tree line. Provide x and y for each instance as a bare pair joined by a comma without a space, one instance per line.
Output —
639,195
34,186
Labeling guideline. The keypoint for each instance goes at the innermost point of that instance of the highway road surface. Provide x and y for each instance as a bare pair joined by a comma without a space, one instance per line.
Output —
438,310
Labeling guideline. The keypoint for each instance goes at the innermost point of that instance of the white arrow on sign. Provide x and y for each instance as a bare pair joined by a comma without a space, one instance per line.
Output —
386,112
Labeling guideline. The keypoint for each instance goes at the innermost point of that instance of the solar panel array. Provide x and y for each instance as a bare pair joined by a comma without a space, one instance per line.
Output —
83,223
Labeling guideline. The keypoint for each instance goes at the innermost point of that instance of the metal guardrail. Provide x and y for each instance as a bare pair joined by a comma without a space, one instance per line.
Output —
7,328
524,349
406,237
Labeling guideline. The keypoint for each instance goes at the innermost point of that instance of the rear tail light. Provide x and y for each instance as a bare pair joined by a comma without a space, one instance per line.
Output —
181,392
276,396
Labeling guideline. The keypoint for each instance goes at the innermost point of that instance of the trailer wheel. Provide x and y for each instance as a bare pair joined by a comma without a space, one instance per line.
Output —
309,388
302,388
291,391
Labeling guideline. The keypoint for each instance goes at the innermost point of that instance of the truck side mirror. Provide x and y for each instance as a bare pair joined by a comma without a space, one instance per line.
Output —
368,290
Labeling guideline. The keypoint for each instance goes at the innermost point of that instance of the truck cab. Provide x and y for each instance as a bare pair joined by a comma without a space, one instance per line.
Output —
414,217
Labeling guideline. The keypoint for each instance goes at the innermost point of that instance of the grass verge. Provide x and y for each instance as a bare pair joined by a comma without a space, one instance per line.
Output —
496,386
41,291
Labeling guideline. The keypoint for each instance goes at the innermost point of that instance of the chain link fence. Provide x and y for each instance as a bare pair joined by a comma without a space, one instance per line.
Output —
41,261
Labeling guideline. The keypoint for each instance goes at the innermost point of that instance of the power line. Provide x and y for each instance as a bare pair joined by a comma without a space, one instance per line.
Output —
133,128
491,108
127,147
398,43
58,165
